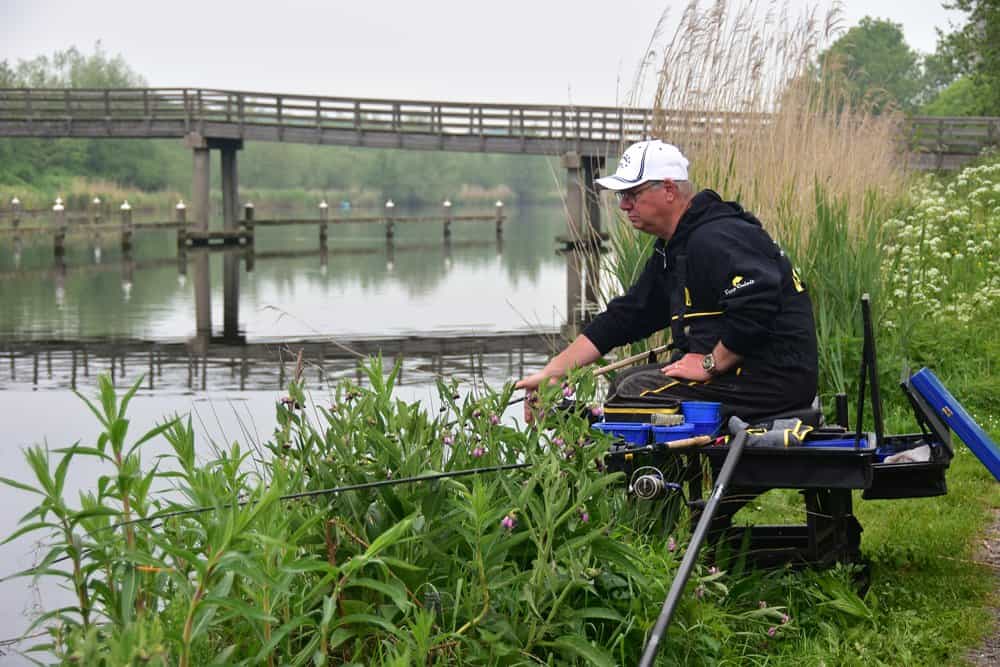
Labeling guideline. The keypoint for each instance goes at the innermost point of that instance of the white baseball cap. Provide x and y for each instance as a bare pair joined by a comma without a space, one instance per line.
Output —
650,160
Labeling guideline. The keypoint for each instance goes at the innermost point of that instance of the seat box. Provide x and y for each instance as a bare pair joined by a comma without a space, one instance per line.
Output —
836,464
913,480
908,480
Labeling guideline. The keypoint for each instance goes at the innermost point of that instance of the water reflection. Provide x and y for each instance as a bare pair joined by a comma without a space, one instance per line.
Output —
236,308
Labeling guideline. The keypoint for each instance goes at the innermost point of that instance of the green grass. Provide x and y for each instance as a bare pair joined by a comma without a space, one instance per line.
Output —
550,565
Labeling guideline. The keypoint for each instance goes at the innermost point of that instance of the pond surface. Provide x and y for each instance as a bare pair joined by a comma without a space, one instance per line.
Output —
473,309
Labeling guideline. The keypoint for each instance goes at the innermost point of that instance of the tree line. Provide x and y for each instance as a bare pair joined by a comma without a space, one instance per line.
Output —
877,69
871,63
339,172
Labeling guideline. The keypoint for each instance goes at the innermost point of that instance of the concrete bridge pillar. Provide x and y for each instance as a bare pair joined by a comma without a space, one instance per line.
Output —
583,206
201,181
583,221
230,184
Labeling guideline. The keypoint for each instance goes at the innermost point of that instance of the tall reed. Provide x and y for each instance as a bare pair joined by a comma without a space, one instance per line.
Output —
739,91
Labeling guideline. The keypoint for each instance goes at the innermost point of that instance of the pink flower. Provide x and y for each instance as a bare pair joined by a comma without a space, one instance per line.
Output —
447,439
597,411
584,516
771,631
478,452
671,544
785,618
494,420
567,391
476,414
713,570
508,522
558,442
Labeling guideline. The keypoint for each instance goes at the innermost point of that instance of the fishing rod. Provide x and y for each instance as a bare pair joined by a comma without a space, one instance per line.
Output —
296,496
331,491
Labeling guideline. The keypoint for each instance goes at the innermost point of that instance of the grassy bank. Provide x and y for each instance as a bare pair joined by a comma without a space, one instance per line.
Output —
545,563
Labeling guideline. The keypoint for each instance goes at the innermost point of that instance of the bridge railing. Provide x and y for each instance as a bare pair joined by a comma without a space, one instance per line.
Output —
193,109
953,135
176,111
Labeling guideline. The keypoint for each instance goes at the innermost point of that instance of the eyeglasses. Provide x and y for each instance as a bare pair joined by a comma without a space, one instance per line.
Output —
632,194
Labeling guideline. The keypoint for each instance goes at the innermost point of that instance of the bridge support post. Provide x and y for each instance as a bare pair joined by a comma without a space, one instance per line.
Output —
230,183
592,166
200,180
575,188
583,204
583,253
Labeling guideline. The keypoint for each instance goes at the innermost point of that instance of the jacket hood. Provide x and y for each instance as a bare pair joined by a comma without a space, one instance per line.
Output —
706,206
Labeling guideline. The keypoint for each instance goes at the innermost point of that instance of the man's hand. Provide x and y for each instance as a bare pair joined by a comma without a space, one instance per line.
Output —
530,386
687,367
578,353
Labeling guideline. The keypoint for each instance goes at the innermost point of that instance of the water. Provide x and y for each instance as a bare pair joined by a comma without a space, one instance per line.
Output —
136,316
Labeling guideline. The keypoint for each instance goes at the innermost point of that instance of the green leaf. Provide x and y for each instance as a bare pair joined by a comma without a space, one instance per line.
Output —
93,408
152,433
128,396
223,656
20,485
598,612
31,527
593,655
368,619
393,591
108,402
242,609
279,635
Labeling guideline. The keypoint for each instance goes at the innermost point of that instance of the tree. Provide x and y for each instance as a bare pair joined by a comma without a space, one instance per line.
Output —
974,50
964,97
875,66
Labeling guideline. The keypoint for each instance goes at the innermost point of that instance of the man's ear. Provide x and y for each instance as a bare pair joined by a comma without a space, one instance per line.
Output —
670,188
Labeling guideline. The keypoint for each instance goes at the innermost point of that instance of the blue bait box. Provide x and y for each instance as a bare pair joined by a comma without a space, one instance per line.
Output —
702,415
671,433
631,432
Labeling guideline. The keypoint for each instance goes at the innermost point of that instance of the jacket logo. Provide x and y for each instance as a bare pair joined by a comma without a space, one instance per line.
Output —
739,282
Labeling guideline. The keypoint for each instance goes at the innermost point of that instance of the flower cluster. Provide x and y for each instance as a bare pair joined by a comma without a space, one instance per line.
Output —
939,257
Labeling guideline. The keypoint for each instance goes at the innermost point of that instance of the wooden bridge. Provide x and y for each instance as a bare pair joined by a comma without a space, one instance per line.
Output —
247,116
209,119
223,120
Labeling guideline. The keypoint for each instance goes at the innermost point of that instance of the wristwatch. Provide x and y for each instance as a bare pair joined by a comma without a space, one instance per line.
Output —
708,364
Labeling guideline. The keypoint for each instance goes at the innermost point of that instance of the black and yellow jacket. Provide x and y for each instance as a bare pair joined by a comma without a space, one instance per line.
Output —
720,277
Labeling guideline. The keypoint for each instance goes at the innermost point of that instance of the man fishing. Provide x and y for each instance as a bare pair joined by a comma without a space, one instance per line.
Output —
741,321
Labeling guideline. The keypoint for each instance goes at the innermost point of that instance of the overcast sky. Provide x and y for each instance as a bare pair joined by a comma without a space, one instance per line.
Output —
550,51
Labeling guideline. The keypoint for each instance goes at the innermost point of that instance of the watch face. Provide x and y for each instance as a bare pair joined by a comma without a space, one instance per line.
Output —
708,362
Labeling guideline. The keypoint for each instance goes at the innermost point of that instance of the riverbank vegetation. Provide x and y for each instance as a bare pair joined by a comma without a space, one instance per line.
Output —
549,563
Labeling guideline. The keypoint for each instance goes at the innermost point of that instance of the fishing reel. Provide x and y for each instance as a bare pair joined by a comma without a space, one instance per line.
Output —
649,483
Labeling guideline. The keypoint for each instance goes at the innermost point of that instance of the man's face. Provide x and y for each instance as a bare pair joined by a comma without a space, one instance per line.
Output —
649,207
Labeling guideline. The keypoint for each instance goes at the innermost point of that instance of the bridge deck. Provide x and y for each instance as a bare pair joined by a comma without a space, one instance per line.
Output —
224,115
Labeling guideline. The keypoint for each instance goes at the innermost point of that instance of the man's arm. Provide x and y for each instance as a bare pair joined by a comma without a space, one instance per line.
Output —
689,366
578,353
